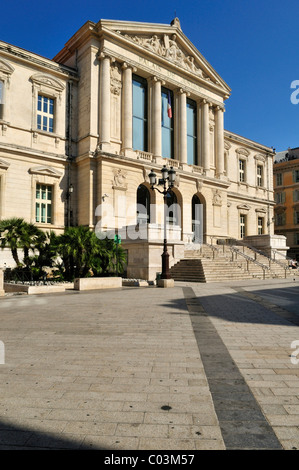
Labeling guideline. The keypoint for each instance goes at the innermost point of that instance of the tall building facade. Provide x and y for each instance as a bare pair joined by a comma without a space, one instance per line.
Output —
79,135
286,190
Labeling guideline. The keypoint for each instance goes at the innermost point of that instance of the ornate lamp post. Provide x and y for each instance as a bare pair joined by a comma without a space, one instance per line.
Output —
167,180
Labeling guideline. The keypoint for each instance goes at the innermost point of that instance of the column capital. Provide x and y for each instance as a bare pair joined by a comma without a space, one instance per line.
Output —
156,79
127,65
181,91
104,55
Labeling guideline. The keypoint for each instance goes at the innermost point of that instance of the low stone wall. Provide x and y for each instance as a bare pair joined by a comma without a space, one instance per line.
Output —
90,283
2,292
11,288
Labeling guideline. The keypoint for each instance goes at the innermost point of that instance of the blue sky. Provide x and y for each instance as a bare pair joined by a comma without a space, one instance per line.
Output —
252,44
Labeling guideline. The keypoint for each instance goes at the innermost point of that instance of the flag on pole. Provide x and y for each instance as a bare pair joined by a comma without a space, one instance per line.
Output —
169,110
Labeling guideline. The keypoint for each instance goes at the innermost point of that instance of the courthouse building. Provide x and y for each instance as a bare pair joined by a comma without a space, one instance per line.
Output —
79,135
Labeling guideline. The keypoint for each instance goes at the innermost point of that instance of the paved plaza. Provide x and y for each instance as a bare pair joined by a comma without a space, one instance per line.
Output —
194,367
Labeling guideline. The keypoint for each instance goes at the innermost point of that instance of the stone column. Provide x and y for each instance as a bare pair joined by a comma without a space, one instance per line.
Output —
183,126
219,142
127,109
105,101
205,136
156,114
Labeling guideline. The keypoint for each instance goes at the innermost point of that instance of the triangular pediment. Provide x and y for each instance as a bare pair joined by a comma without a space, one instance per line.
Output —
5,67
4,165
169,44
45,171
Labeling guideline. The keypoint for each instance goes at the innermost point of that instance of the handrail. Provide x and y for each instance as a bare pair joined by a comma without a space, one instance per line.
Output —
260,252
247,257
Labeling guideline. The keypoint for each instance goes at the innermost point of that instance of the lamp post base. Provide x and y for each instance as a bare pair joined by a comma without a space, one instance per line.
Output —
165,283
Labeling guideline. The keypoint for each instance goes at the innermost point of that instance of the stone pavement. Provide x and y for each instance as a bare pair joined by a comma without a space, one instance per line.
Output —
195,367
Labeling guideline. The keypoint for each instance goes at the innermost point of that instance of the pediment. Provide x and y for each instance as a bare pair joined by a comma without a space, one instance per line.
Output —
5,67
244,207
168,43
48,80
4,165
45,171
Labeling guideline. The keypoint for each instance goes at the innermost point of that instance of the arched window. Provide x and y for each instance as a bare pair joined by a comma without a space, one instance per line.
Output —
172,206
143,205
197,219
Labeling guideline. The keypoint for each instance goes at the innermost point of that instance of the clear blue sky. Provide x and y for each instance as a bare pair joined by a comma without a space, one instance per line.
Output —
252,44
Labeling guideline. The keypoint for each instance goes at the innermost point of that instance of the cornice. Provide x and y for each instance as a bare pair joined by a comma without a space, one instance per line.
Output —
8,51
231,136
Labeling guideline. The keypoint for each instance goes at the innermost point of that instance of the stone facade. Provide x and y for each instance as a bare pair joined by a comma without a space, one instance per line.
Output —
286,190
91,144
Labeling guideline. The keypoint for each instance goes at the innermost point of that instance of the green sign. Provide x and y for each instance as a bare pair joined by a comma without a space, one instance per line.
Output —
117,239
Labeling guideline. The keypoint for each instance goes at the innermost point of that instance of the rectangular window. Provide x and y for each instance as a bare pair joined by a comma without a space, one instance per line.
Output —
260,225
43,204
296,195
296,217
296,238
45,113
280,198
280,219
167,124
278,179
241,171
296,176
259,175
139,113
242,225
191,133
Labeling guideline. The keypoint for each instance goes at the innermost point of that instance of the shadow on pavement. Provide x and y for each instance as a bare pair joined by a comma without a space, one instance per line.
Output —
14,437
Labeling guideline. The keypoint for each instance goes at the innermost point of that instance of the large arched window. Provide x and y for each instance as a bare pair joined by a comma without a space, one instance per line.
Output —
172,217
197,219
143,205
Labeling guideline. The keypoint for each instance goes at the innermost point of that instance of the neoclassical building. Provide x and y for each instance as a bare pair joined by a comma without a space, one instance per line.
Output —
80,133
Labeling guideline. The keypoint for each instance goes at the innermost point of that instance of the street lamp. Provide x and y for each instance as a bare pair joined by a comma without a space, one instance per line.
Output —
168,176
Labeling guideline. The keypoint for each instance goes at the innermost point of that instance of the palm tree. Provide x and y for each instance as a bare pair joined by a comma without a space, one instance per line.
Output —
11,235
16,233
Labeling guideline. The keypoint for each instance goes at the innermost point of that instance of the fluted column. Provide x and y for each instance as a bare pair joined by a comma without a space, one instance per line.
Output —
127,108
156,113
205,136
105,111
219,142
183,126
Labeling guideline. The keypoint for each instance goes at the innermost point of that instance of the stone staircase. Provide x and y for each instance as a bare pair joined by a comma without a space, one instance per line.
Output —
216,263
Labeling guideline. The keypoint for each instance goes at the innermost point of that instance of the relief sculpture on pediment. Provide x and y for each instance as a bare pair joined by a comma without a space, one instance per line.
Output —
168,48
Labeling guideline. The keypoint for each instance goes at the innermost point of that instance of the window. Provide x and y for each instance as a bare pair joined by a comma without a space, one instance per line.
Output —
172,217
260,225
139,113
43,204
143,205
191,133
197,219
296,195
45,113
167,124
296,217
296,176
242,225
241,171
280,219
296,238
1,98
280,198
259,175
278,179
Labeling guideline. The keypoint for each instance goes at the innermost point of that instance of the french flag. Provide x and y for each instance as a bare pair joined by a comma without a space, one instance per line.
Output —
169,110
